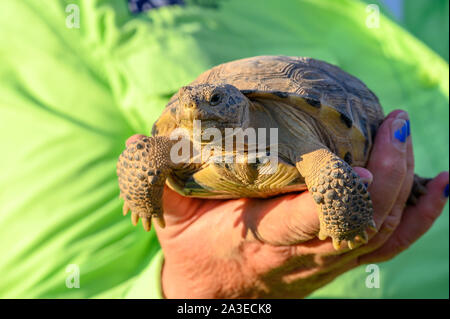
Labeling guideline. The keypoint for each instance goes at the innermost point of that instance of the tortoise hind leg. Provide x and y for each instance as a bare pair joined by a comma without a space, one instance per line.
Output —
344,205
418,189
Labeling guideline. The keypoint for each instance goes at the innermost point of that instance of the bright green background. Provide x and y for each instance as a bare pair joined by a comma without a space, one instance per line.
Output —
69,98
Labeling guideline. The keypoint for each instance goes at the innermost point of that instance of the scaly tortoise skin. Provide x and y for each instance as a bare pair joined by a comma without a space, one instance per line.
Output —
326,120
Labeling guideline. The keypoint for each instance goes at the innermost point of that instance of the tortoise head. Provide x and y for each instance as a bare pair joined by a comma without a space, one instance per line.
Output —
220,106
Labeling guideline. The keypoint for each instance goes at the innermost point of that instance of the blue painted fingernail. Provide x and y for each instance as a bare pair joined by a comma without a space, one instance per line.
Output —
446,191
366,185
401,133
408,127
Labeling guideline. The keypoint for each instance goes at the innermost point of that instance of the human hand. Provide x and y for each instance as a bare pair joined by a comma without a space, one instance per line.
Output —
267,248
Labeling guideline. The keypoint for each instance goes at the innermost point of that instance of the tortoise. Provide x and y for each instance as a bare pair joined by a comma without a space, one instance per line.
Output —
325,120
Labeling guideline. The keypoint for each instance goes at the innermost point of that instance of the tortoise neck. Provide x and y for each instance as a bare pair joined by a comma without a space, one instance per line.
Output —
297,129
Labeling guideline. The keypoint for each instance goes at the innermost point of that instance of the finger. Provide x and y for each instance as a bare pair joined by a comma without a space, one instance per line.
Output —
283,220
179,209
409,177
393,219
388,165
394,114
387,221
365,175
133,139
416,220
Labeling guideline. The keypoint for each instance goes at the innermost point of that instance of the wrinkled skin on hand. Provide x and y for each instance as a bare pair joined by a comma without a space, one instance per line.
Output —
267,248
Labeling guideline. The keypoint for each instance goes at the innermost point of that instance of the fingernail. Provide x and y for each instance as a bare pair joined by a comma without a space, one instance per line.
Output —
399,132
446,191
366,185
408,127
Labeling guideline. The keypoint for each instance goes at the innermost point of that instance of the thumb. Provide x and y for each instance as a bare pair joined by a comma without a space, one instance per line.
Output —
283,220
179,209
365,175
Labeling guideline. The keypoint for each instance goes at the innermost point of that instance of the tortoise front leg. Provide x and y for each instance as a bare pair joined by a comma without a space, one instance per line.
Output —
345,207
143,168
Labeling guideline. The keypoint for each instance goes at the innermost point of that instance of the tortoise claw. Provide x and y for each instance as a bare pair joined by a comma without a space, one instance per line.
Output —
160,220
363,237
322,234
134,218
337,243
147,223
125,209
351,244
372,225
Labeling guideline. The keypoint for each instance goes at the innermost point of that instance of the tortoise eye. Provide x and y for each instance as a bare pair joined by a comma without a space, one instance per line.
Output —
215,99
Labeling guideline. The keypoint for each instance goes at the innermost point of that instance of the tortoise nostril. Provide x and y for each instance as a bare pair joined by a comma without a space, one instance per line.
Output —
190,105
